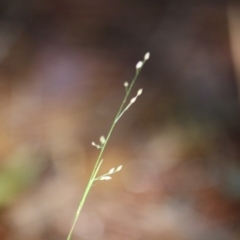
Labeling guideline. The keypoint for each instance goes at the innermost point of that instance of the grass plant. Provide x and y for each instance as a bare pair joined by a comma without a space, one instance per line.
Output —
103,142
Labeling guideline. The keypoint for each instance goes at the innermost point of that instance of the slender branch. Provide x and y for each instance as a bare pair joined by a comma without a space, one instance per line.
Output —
99,159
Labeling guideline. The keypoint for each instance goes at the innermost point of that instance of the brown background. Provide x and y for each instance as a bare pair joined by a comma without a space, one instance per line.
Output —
62,68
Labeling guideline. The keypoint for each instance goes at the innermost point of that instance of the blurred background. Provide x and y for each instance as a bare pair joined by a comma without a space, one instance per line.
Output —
62,68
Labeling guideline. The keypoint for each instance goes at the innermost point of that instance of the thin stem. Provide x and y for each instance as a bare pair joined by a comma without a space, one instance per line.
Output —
89,185
99,162
114,122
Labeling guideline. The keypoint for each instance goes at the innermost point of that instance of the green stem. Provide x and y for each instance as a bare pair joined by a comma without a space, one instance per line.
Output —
114,122
89,185
99,162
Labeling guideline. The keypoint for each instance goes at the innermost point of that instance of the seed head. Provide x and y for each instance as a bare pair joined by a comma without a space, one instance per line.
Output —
133,100
146,56
102,140
105,178
119,168
139,92
139,65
